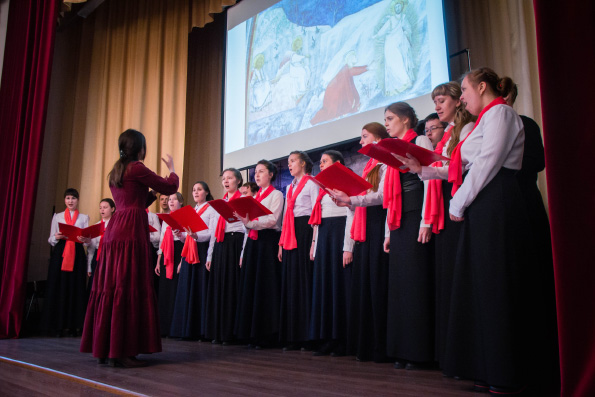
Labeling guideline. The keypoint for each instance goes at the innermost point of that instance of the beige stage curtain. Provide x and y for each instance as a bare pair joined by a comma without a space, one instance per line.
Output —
203,11
499,34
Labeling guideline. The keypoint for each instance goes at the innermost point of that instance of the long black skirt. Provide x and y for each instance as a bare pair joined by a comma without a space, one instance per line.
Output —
410,326
66,296
332,282
222,295
488,333
167,290
445,245
366,331
189,309
260,289
296,286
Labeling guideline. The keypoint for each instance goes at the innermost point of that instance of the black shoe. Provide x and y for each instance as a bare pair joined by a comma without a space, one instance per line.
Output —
307,347
291,347
400,365
339,351
102,361
215,342
481,387
507,391
413,367
325,350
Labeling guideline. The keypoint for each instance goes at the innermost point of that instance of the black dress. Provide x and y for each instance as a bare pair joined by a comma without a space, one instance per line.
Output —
260,290
410,326
193,281
366,331
66,296
167,290
296,286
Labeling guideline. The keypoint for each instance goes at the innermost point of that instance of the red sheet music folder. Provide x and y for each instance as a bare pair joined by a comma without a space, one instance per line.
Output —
339,177
383,149
72,232
243,205
185,217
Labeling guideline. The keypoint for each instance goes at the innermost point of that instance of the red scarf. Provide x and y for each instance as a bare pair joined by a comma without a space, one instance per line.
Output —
316,216
190,252
288,240
100,240
220,231
253,234
455,169
434,212
69,249
358,227
167,247
392,190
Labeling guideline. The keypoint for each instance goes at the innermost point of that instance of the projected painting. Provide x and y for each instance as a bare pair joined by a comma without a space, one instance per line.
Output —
314,61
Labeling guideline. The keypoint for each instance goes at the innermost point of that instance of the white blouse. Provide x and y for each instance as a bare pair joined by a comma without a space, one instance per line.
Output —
155,237
274,202
180,237
371,198
92,247
442,172
498,141
305,201
82,221
210,217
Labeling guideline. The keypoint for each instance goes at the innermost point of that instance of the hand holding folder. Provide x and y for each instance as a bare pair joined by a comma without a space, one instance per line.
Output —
72,233
243,205
339,177
382,151
183,218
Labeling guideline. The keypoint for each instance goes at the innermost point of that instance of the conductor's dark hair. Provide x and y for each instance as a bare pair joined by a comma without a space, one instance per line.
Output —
236,173
109,201
270,166
303,156
206,188
404,111
132,146
71,192
335,155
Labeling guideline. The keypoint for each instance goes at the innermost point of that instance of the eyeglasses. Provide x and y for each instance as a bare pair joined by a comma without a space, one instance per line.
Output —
435,127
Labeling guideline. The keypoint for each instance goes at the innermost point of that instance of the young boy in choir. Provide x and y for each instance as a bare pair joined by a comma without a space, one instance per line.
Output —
434,128
66,297
294,254
164,203
107,207
249,189
410,325
257,318
222,295
331,252
169,255
191,298
366,329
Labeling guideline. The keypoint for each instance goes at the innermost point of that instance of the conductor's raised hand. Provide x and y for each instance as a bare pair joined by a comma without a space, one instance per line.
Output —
410,162
169,162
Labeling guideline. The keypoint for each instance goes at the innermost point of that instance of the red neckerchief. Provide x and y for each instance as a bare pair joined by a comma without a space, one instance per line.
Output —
100,240
288,240
316,216
190,252
358,227
220,231
445,138
434,212
455,169
69,249
253,234
392,190
167,247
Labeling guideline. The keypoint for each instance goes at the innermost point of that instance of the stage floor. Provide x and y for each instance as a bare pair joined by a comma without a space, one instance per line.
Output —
199,368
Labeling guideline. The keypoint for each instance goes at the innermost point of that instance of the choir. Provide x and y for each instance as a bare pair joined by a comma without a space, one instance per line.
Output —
429,268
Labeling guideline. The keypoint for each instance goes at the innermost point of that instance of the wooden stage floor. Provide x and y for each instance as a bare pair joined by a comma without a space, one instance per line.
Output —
199,368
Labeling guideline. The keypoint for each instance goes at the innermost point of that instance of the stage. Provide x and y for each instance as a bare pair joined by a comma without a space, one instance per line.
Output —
54,366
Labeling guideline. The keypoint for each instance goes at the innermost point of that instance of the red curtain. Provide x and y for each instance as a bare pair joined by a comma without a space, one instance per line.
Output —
23,102
565,37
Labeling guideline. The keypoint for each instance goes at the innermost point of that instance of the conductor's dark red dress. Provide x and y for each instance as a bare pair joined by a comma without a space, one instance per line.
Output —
122,317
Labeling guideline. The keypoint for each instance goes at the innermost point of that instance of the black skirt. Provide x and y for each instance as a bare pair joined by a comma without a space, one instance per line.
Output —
332,282
410,326
167,290
366,331
296,286
189,309
222,295
66,296
260,289
445,244
488,333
